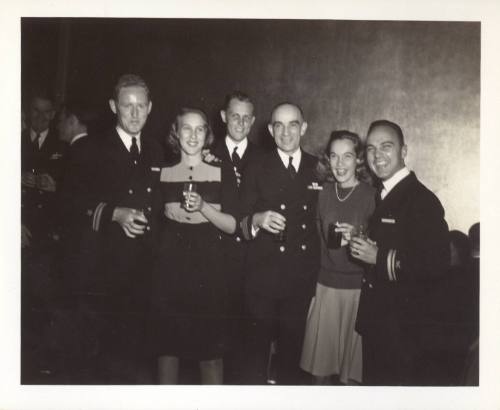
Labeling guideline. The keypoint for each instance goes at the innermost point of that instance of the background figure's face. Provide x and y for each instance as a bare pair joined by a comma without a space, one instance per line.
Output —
343,162
132,109
286,127
192,132
41,114
239,119
384,153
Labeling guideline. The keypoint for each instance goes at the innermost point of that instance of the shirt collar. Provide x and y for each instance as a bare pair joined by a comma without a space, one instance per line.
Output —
43,135
240,146
127,139
77,137
297,156
395,179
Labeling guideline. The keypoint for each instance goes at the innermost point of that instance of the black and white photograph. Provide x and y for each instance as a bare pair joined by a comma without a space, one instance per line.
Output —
226,209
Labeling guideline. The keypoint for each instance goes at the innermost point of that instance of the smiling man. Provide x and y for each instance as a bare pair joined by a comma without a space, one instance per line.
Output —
408,246
279,195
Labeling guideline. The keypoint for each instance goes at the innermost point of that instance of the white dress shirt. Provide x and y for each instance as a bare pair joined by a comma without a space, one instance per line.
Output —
127,139
240,146
393,181
296,157
43,135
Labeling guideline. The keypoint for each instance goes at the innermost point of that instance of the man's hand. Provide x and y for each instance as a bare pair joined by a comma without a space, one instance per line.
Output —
28,179
132,221
25,236
271,221
364,249
46,183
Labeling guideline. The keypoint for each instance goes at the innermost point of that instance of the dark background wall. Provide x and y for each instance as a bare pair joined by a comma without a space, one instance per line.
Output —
345,74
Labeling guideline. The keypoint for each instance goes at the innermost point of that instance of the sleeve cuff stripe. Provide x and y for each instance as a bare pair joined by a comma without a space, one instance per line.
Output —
390,264
394,265
97,216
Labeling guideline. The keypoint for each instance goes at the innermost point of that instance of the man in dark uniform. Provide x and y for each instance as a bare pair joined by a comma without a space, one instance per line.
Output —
279,195
122,209
236,152
408,246
41,159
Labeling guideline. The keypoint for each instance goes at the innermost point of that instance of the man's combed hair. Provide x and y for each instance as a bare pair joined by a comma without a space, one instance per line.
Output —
173,141
237,95
130,80
388,124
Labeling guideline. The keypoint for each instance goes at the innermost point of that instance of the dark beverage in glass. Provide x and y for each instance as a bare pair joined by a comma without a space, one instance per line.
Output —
334,239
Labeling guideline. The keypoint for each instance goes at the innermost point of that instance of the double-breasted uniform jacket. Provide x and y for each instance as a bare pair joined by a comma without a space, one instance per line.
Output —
38,207
280,269
122,272
412,238
234,244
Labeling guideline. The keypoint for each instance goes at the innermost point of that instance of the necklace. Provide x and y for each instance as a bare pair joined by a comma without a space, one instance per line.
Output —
348,194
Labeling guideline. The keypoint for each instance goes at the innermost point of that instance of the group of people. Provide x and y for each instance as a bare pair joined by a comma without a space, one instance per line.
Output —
256,264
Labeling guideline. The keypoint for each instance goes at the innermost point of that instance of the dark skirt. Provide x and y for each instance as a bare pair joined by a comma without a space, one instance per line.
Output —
189,293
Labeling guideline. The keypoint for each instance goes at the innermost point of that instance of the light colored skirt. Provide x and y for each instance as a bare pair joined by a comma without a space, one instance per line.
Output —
331,345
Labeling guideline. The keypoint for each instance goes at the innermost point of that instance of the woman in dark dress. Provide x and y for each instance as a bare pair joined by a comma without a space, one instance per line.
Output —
188,283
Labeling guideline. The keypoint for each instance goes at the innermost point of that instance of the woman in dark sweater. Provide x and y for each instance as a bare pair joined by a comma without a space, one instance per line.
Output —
331,345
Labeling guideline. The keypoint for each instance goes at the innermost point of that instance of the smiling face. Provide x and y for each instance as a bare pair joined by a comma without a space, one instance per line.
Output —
192,132
343,162
132,108
287,127
384,152
238,118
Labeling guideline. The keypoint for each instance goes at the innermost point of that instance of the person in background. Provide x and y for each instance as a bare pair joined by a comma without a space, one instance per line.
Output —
279,195
41,167
331,345
407,246
236,152
189,286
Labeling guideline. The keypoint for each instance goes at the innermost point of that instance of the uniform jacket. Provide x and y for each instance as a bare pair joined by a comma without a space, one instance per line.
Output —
280,269
231,200
39,207
122,270
412,237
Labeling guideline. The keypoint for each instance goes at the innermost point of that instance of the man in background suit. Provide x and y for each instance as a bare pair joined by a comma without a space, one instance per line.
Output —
41,167
408,247
236,152
122,209
279,195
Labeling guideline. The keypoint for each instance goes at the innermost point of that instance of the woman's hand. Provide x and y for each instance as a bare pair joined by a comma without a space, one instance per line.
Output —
346,230
193,202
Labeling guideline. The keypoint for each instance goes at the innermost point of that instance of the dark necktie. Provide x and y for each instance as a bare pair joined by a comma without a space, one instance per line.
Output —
291,168
134,150
235,158
36,141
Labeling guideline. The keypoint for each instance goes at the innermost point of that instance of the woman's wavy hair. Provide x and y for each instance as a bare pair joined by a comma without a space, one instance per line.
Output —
172,140
324,170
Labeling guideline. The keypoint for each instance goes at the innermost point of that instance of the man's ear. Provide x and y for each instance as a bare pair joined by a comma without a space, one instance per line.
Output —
150,106
52,114
404,151
223,116
270,128
112,105
303,128
253,120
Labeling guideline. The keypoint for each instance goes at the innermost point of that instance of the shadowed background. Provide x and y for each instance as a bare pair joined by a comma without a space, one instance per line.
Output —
424,76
